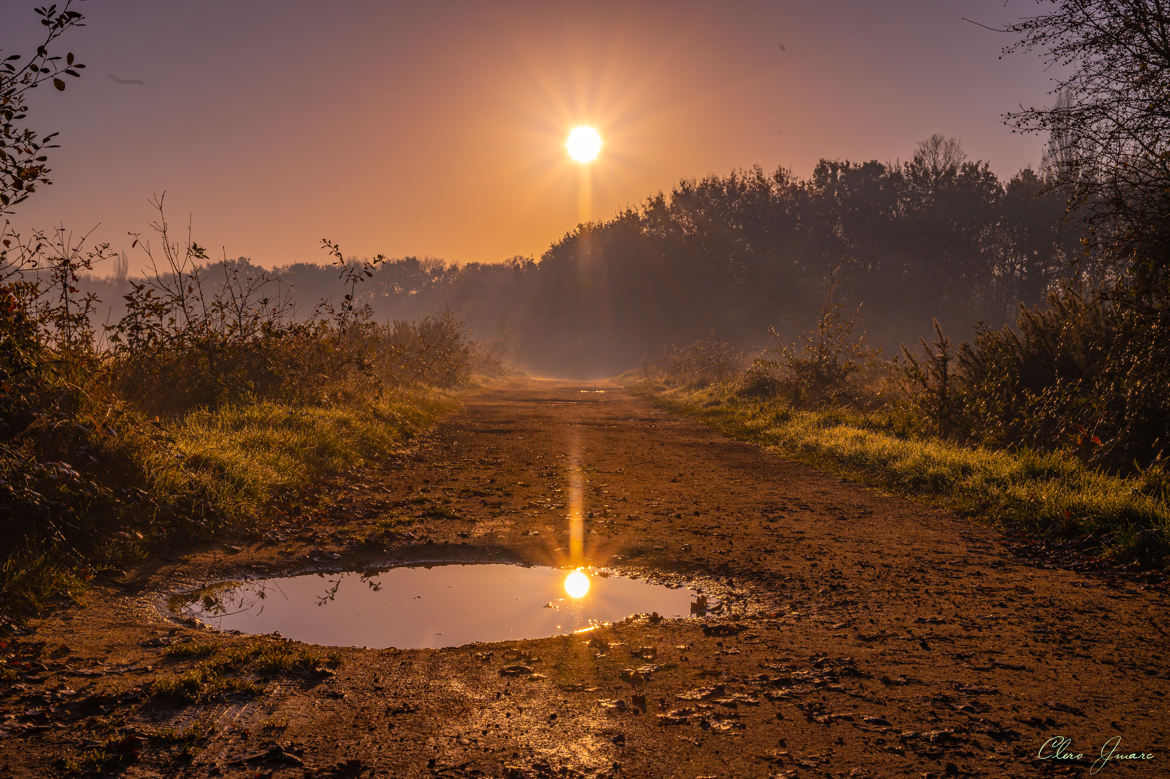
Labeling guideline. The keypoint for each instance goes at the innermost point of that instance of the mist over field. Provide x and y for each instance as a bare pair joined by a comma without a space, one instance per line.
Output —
824,432
732,256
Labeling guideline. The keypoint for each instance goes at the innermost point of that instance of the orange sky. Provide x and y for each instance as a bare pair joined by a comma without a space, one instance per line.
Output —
437,129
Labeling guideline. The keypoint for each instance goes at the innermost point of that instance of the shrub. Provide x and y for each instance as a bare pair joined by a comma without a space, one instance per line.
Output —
759,382
930,380
706,361
204,335
821,365
1086,374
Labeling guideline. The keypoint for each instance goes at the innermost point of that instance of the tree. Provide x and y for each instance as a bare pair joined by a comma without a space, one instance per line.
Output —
939,157
22,168
1111,121
22,150
1059,163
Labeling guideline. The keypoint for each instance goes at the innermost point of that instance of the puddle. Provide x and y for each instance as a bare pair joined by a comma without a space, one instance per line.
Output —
417,607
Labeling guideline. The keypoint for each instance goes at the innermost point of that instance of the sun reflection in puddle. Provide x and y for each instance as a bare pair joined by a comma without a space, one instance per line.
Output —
414,607
577,584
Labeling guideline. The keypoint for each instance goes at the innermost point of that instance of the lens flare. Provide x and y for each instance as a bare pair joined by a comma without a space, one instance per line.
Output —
584,144
576,584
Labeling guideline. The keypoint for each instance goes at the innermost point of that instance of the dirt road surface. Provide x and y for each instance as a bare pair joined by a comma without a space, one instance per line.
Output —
860,634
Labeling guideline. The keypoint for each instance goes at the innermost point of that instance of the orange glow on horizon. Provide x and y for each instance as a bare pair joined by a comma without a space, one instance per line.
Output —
458,152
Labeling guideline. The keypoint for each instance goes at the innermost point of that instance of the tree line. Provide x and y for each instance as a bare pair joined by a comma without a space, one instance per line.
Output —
939,236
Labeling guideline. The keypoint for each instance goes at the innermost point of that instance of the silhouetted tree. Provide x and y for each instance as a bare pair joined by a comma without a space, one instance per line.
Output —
939,157
731,257
23,163
1111,120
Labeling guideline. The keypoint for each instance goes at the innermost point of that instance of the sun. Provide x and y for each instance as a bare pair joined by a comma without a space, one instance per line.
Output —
584,144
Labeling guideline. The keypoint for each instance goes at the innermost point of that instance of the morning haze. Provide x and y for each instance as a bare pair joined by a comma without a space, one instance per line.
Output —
595,390
397,125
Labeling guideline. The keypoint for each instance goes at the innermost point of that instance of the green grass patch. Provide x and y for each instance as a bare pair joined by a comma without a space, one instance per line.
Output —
201,685
246,456
229,669
195,477
1048,494
190,649
273,659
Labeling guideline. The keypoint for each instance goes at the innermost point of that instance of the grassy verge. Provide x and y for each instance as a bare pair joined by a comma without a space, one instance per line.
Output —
246,456
205,474
1050,495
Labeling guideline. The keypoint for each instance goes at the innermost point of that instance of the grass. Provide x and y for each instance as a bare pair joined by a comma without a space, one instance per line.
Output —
210,473
1043,494
246,456
270,659
190,650
225,670
30,577
201,685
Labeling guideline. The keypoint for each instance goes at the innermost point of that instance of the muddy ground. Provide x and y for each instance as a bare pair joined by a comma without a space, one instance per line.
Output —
863,635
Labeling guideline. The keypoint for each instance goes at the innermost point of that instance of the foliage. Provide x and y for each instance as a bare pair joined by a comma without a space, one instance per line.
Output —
929,380
58,261
204,335
706,361
1087,374
86,481
432,351
939,236
1110,123
759,382
23,162
821,365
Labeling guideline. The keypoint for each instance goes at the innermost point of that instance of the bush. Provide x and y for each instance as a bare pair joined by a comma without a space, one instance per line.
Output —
706,361
1087,374
205,335
931,380
759,382
86,481
820,367
432,351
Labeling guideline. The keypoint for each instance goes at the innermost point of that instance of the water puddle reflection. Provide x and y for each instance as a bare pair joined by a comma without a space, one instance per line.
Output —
415,607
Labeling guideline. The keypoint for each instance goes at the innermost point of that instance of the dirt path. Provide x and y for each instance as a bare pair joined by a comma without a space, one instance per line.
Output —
865,636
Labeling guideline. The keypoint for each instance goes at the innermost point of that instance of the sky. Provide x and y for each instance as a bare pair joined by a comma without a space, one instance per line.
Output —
437,129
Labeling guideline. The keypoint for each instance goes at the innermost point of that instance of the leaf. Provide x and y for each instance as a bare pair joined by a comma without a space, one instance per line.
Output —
59,84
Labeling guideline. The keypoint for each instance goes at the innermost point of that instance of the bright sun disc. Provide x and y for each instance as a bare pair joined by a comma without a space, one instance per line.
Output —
584,144
576,584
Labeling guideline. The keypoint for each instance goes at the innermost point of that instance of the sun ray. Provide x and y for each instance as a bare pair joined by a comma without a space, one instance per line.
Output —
576,501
